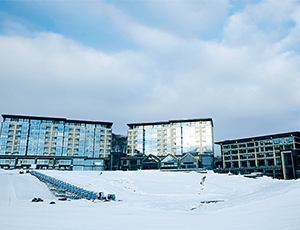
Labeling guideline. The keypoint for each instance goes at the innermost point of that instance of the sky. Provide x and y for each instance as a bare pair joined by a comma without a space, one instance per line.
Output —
126,61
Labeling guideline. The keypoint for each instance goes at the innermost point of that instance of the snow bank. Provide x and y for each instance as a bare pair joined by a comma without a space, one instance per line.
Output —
15,186
152,200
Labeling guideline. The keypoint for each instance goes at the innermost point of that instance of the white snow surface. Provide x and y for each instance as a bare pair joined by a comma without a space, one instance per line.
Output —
151,200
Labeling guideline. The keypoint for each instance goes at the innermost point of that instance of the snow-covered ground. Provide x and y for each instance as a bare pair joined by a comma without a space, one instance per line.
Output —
151,200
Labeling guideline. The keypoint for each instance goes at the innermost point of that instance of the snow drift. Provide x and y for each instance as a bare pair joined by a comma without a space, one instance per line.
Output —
152,200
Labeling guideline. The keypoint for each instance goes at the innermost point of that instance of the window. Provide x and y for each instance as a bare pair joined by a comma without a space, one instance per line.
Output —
277,141
235,164
252,163
133,162
270,162
225,146
278,161
260,155
244,164
226,153
243,157
269,148
78,161
270,154
234,157
288,140
268,142
251,144
234,152
288,147
261,162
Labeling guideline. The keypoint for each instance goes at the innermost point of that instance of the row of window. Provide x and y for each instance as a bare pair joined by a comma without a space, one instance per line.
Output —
25,127
178,124
259,143
54,122
54,142
52,162
253,163
262,149
251,156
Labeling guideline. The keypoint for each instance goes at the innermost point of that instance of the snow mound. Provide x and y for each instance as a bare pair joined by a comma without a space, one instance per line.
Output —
15,186
152,200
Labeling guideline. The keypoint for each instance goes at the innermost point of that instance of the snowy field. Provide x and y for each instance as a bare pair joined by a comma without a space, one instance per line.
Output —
151,200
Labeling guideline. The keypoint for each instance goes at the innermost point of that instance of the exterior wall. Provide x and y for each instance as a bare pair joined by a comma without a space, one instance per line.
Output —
151,162
53,143
131,163
261,154
188,161
170,162
172,137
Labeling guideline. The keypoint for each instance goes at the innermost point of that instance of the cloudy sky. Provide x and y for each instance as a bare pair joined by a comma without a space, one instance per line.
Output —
126,61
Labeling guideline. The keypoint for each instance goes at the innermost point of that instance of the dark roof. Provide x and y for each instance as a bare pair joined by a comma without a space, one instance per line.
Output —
152,157
55,119
258,138
135,157
169,122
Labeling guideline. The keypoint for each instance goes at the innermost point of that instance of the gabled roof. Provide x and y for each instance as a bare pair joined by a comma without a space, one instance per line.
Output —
168,156
151,156
188,156
135,157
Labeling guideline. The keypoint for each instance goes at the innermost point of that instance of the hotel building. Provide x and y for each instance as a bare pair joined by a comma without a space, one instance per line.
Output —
175,137
54,143
276,155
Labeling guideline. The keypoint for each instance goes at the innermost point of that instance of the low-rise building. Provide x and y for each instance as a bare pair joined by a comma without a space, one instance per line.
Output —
276,155
188,161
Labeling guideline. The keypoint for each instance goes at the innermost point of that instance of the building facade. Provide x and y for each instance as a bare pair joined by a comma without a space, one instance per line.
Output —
54,143
187,162
175,137
275,155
